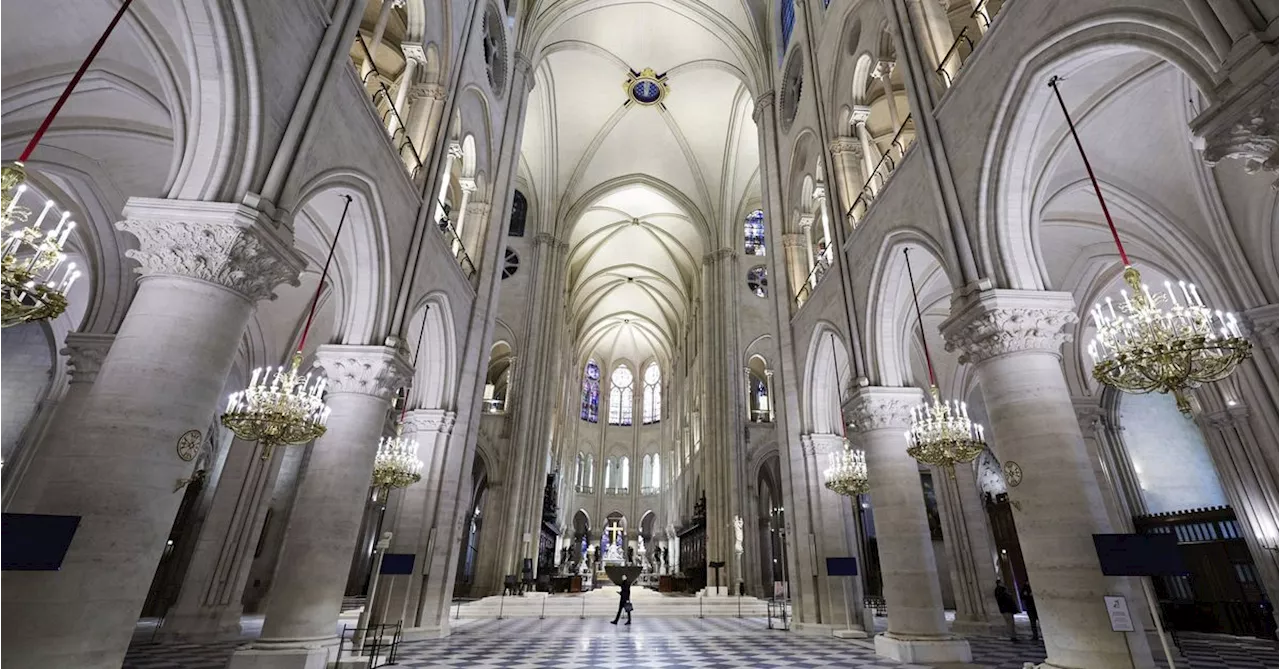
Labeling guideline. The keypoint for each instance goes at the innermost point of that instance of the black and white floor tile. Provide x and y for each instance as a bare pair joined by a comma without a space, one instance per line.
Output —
676,643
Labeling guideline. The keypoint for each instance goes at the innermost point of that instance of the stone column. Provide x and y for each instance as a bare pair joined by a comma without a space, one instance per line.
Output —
806,229
1013,340
306,597
882,71
768,385
846,156
204,266
468,186
793,247
477,214
412,54
209,603
917,627
970,551
934,32
824,204
426,103
85,354
398,597
870,152
840,597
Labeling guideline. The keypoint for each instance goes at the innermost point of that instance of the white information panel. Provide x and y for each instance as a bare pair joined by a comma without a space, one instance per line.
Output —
1118,611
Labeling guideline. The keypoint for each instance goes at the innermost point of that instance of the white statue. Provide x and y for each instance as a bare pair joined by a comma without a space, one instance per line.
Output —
737,535
640,545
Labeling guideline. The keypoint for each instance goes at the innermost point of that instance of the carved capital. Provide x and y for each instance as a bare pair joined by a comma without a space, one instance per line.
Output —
455,150
846,146
427,422
1227,419
997,322
414,52
366,370
823,444
884,68
467,184
717,256
85,352
860,114
879,408
1091,417
763,103
1263,325
231,245
1247,133
793,240
421,92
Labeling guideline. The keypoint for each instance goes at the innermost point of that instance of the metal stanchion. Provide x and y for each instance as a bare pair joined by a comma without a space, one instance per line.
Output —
583,615
543,615
357,639
502,600
700,607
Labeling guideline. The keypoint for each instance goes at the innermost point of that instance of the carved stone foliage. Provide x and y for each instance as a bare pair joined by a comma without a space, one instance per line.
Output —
243,258
367,370
85,353
881,408
1252,138
426,421
998,330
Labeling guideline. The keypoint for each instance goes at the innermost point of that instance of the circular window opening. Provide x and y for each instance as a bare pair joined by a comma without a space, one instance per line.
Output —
792,84
495,49
510,263
758,281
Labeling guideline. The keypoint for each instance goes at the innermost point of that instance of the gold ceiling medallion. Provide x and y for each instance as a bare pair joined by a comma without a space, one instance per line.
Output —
646,87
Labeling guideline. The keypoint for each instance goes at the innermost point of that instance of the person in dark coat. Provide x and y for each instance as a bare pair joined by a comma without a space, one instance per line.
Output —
1008,607
1029,603
624,600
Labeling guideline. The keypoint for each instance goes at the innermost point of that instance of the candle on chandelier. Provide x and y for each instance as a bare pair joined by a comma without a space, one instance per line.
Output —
22,188
43,212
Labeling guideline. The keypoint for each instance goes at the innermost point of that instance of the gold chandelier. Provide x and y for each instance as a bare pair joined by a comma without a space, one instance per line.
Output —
35,278
847,474
941,433
285,408
1154,342
32,288
279,407
397,464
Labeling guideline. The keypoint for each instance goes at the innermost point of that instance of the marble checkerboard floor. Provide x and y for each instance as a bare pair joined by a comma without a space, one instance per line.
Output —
674,643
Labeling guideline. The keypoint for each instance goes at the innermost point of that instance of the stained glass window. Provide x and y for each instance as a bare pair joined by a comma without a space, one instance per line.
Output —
621,396
788,17
652,394
591,393
753,231
758,281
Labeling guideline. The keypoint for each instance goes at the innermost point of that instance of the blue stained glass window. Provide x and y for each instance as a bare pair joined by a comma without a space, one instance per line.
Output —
591,393
646,91
788,23
753,231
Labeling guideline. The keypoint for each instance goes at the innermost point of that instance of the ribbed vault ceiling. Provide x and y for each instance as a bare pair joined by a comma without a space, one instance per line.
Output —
640,192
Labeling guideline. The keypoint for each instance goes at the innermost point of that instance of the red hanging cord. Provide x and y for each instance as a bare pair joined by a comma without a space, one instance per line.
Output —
928,361
71,85
1053,83
422,332
835,366
324,274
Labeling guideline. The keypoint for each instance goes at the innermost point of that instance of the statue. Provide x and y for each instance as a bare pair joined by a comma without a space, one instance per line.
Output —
737,535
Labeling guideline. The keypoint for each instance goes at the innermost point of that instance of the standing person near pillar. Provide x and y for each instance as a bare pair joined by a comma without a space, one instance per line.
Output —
1008,607
1029,603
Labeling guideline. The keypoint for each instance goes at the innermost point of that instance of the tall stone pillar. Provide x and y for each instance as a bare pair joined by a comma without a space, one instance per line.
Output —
306,597
209,603
846,158
917,627
398,596
870,152
882,73
970,550
1013,340
85,353
426,104
204,266
840,597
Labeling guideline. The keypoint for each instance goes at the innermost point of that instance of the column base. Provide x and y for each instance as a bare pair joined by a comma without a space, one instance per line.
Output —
285,654
979,627
823,629
200,628
421,633
924,650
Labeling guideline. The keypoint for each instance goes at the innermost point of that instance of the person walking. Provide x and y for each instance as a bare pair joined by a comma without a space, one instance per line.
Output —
624,600
1029,604
1008,607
